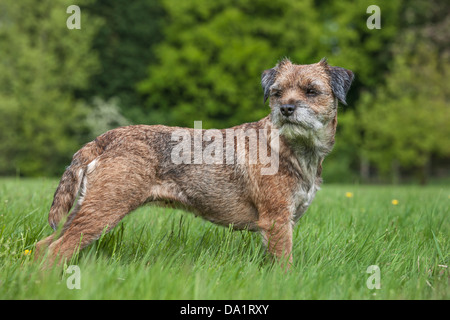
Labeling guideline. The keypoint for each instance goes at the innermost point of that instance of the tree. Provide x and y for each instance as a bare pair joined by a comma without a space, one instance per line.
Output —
407,121
367,52
209,64
124,45
42,63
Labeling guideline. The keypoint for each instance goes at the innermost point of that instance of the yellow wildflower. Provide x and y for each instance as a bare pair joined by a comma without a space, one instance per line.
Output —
394,202
349,194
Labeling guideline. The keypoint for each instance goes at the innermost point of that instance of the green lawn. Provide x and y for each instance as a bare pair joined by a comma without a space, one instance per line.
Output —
160,253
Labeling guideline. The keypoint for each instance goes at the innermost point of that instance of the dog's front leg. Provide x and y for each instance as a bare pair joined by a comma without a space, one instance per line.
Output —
277,235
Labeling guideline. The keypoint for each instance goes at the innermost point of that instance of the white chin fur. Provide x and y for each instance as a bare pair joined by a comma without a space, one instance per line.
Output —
292,131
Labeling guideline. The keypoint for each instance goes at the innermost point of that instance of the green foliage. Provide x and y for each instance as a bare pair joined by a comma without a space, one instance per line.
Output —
214,52
43,62
352,45
104,116
176,61
400,119
210,63
406,121
337,165
124,45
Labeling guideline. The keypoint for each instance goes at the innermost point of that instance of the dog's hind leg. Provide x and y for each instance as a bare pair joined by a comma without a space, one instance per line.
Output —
113,189
43,245
88,226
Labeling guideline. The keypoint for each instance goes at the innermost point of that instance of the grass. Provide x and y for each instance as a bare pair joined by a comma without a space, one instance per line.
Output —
160,253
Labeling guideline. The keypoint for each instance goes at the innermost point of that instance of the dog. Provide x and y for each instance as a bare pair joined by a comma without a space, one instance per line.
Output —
227,184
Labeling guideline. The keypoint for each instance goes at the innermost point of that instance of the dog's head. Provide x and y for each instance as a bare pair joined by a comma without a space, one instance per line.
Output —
304,98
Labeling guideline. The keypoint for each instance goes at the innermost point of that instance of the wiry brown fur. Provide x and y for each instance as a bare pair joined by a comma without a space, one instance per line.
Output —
130,166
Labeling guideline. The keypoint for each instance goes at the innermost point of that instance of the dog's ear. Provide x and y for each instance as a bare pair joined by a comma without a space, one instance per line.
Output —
267,80
340,79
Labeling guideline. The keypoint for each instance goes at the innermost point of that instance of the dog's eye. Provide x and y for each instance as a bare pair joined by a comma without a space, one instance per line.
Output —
311,92
276,93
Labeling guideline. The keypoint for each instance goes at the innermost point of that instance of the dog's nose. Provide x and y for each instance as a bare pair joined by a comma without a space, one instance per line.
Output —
287,109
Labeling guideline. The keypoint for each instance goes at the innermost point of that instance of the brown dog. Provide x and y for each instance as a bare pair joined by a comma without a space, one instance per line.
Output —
217,174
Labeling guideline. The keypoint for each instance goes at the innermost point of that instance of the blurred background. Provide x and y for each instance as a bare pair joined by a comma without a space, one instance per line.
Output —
176,61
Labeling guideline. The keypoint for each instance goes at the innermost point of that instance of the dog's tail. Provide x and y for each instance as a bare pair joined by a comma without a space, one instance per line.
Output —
70,183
